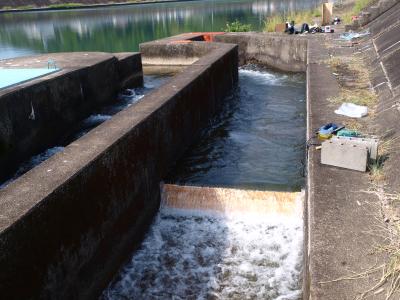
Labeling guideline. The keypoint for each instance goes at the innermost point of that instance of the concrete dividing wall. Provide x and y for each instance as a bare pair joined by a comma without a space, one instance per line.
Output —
280,51
59,101
67,225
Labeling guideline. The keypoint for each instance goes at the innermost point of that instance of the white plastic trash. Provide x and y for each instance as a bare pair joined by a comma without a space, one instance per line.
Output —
352,110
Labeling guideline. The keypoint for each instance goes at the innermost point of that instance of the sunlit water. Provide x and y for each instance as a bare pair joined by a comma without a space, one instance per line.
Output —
124,100
193,255
257,141
120,29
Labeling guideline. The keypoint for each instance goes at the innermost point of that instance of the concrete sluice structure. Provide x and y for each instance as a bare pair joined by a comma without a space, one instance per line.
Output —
68,225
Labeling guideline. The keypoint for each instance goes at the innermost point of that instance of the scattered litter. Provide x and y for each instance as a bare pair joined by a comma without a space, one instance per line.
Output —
348,36
352,110
326,131
348,133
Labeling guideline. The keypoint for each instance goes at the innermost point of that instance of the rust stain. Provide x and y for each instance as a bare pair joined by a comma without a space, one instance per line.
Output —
230,200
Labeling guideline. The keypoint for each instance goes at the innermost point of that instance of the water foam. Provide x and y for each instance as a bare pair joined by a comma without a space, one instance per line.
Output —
189,255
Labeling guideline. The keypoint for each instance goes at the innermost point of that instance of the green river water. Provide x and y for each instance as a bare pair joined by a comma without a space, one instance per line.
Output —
123,28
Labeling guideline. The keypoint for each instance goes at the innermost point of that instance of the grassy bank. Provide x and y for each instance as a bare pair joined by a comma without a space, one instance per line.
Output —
358,6
299,17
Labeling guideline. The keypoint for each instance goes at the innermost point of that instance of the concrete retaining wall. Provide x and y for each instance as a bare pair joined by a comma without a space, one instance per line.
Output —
59,101
67,225
283,52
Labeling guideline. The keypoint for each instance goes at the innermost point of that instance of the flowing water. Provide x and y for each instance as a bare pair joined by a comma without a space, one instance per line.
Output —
258,140
195,255
120,29
227,243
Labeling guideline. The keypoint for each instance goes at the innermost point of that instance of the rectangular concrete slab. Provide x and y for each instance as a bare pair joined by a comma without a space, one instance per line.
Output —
344,155
370,143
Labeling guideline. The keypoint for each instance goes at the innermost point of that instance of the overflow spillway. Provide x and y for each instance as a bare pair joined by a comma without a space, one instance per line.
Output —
218,243
233,228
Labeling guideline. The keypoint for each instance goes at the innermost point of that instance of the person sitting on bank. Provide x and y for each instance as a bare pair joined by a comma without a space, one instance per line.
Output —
289,27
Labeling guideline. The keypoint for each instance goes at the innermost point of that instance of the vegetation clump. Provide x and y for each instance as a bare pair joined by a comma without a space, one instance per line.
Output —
65,5
359,5
237,26
354,80
299,17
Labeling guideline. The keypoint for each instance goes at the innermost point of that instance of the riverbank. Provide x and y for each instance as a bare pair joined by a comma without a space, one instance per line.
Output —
84,4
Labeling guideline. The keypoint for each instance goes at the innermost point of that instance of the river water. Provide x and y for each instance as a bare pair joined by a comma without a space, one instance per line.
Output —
119,29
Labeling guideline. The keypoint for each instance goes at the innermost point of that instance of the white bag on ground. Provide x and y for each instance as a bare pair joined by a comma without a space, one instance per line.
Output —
352,110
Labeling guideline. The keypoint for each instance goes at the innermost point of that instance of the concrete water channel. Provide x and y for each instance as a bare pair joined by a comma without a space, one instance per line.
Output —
82,212
196,250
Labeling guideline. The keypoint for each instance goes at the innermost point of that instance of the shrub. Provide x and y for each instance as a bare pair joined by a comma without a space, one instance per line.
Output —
237,26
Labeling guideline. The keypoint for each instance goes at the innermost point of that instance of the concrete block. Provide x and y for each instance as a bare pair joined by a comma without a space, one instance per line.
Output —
344,155
370,143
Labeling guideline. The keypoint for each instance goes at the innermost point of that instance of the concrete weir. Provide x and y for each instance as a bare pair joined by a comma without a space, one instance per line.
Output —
66,225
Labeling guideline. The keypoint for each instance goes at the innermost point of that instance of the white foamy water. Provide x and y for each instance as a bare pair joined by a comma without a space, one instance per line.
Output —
189,255
261,76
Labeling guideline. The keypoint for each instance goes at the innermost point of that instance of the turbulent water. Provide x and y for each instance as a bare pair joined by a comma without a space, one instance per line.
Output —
193,255
125,99
257,141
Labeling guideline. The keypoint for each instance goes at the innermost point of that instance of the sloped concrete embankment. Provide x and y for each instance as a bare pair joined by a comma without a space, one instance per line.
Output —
37,114
382,51
68,224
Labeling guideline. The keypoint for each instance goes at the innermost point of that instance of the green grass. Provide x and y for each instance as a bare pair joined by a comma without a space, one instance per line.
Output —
237,26
64,5
25,7
359,5
299,17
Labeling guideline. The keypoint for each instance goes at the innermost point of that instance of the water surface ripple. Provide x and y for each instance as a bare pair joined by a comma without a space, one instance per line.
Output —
257,141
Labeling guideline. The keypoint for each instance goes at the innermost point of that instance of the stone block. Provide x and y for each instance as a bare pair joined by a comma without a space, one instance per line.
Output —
344,155
370,143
